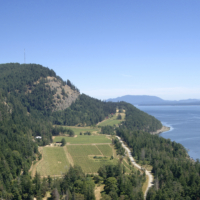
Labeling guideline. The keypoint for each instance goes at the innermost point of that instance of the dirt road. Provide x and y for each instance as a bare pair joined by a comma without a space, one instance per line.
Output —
148,173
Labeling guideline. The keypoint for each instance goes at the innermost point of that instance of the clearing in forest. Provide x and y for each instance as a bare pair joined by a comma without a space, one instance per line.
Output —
77,130
90,152
109,122
54,162
84,139
90,157
112,120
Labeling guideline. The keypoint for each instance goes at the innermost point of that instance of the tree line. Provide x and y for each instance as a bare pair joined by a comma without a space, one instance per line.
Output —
176,176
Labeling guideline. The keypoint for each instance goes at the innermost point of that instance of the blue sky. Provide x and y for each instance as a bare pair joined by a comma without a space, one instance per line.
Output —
109,48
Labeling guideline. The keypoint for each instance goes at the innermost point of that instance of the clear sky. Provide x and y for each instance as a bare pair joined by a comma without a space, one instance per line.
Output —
108,48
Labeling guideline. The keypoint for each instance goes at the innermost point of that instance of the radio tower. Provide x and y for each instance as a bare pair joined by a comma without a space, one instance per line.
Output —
24,57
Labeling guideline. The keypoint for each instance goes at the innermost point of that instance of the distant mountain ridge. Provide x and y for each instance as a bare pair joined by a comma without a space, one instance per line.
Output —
152,100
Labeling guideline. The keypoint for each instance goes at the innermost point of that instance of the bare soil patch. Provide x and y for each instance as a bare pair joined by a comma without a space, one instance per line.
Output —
97,191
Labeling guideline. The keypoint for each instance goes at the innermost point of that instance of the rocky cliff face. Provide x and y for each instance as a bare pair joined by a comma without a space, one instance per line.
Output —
64,96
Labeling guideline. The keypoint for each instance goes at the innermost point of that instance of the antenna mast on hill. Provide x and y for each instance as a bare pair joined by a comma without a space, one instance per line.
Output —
24,57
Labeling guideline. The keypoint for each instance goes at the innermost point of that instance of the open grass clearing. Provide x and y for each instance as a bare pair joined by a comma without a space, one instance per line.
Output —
84,139
110,122
54,162
77,130
113,120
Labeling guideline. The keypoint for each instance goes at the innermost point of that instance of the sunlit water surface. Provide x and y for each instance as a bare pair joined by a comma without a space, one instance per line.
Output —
184,124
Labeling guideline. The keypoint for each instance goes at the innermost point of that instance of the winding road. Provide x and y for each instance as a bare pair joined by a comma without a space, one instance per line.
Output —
148,173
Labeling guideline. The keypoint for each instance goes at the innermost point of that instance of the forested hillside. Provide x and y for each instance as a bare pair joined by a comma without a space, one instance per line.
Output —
175,175
85,111
36,87
18,147
27,109
139,120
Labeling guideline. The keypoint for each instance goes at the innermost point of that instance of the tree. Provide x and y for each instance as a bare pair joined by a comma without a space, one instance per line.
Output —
119,117
63,141
110,184
71,133
63,91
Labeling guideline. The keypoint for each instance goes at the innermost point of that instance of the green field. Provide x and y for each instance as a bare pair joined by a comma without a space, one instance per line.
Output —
83,150
83,155
54,161
106,150
84,139
77,130
89,165
113,120
110,122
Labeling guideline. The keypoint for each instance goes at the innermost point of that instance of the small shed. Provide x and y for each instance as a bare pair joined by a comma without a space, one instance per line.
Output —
38,137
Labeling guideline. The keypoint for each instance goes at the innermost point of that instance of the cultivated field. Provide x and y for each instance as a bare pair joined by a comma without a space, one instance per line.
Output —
77,130
84,156
106,150
82,150
54,161
84,139
88,151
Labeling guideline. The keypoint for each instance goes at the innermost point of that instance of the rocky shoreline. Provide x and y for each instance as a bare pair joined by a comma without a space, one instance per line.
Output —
163,129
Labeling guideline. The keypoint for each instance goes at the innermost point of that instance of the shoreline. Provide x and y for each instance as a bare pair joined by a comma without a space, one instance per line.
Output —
163,129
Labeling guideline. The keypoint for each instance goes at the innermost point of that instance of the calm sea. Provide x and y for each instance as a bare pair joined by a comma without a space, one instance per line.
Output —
184,122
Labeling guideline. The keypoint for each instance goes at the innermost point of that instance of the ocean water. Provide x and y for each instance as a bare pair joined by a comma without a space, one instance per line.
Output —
184,122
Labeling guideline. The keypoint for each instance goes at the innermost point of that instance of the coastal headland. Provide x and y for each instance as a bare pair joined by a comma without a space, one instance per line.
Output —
163,129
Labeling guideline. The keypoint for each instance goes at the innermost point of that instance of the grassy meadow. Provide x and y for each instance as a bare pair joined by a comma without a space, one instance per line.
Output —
54,162
113,120
77,130
109,122
84,139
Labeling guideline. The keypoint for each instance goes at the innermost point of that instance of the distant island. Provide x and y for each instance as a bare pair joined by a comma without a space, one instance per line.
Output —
146,100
